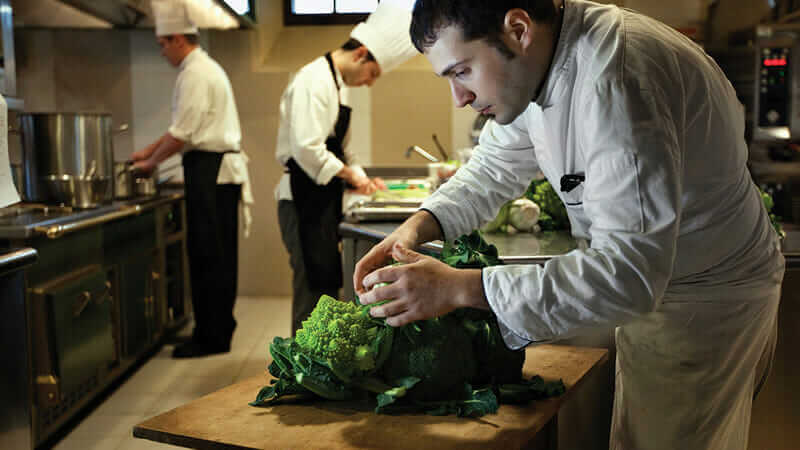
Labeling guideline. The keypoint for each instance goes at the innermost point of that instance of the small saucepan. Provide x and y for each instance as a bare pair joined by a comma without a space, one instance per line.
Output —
124,186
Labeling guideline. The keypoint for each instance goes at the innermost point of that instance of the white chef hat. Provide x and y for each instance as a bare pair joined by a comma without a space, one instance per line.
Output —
386,33
172,17
184,17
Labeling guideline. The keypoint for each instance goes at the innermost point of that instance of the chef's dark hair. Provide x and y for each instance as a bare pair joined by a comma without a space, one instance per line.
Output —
353,44
477,19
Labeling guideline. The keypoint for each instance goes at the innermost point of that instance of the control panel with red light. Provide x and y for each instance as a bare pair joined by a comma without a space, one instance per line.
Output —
774,87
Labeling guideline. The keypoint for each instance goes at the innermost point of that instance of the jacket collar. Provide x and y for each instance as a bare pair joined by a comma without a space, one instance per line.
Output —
553,87
194,55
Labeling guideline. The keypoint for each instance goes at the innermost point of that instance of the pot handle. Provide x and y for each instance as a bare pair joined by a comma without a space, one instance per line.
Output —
122,129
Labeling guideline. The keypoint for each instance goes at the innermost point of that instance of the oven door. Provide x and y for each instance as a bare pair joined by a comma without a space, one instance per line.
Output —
73,335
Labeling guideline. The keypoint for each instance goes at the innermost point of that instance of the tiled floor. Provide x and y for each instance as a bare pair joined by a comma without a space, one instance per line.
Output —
163,383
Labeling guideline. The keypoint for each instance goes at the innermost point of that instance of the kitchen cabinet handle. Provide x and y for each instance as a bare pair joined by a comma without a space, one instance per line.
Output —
80,305
105,295
85,297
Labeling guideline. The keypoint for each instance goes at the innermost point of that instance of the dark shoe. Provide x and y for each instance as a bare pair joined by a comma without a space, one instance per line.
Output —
195,350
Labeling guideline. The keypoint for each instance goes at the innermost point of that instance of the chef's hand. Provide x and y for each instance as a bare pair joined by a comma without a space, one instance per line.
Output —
362,185
379,184
421,227
422,288
141,155
381,255
144,167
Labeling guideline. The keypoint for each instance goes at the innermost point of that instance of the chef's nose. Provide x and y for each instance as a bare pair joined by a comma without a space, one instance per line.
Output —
461,95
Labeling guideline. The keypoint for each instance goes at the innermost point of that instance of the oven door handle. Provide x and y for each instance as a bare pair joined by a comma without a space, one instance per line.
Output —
85,297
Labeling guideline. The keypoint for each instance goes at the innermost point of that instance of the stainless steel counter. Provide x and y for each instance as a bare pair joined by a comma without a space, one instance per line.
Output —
522,248
25,220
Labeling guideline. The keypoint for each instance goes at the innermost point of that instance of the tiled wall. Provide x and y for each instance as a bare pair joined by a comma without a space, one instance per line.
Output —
77,71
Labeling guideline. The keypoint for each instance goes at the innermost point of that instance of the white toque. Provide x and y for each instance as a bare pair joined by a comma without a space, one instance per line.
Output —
186,16
386,33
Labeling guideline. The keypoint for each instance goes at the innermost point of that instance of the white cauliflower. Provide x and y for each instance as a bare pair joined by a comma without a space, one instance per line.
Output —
523,214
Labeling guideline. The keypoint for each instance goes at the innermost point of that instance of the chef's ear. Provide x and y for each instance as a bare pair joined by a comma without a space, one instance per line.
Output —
518,29
360,53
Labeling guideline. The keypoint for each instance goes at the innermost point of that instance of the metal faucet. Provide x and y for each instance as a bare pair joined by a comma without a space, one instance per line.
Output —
423,153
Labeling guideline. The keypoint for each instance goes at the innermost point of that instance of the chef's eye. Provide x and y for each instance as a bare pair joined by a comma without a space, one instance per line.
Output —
462,73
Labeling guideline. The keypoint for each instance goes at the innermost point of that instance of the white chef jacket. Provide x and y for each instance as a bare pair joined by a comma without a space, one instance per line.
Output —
309,110
681,251
204,116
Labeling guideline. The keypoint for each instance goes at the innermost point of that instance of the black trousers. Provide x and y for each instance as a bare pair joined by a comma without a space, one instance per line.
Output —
212,214
304,295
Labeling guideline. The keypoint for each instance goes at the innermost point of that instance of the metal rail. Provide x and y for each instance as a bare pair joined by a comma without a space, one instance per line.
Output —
56,231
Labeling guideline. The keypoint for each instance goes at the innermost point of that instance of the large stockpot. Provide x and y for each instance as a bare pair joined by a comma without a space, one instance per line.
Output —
68,158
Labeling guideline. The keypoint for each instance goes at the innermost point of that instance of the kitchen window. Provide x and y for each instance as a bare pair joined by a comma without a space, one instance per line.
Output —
327,12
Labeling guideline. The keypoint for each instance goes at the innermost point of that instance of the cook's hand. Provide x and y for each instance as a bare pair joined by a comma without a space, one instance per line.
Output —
422,288
144,168
362,185
381,255
379,184
141,155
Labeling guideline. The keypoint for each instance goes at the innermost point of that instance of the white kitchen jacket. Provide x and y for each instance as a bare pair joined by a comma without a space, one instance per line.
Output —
668,203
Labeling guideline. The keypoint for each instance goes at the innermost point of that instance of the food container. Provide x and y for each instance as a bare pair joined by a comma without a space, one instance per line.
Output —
124,186
64,152
439,172
79,191
145,187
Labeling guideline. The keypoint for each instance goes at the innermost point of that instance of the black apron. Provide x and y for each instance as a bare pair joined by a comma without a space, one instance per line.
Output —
319,208
211,244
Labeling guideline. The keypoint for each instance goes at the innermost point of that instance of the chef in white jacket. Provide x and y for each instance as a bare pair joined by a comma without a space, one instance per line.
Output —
205,130
312,147
643,138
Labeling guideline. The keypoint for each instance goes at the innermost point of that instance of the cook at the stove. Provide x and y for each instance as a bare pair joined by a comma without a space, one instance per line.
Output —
205,129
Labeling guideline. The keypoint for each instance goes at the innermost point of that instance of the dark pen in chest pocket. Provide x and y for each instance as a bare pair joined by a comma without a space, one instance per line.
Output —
569,183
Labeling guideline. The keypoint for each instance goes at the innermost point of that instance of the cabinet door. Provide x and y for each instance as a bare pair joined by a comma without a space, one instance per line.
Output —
136,299
80,316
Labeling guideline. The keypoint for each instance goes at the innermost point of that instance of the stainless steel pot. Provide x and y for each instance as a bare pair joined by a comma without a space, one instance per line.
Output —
67,146
124,186
79,192
146,187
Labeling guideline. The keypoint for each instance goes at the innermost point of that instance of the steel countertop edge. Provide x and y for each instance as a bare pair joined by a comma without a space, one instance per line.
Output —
118,209
17,259
790,245
522,248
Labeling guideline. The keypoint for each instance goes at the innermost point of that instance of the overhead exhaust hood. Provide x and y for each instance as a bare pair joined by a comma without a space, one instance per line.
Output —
105,13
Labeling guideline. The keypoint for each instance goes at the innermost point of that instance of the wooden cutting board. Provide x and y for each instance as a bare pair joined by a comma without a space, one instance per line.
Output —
224,420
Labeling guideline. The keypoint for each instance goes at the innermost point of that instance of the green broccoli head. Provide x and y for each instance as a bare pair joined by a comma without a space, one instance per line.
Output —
340,333
426,351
